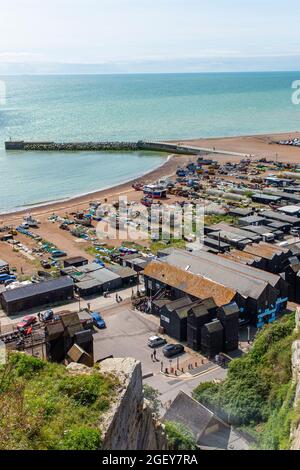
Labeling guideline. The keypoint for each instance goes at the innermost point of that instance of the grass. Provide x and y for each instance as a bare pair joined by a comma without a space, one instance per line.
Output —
161,245
43,407
217,218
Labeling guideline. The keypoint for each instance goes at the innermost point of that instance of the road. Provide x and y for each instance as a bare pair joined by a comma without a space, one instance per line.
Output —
126,335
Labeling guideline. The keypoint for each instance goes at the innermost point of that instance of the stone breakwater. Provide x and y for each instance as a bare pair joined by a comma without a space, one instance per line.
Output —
100,146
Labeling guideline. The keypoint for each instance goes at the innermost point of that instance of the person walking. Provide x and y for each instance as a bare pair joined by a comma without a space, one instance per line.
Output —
154,355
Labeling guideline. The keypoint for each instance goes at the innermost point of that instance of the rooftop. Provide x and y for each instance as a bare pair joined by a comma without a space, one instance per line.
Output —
37,289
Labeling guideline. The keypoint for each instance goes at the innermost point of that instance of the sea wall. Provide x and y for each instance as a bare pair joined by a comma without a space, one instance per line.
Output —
129,423
99,146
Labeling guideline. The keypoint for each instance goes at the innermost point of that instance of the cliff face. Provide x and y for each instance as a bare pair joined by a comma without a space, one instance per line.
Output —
129,423
296,378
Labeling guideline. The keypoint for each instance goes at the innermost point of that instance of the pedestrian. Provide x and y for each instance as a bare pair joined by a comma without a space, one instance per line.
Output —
120,299
154,355
117,298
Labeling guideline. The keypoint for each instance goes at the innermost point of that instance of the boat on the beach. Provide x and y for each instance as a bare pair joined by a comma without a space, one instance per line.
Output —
155,191
138,186
181,172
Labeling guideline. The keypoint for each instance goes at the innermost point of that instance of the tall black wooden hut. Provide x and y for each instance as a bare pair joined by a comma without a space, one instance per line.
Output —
198,316
212,338
229,318
173,318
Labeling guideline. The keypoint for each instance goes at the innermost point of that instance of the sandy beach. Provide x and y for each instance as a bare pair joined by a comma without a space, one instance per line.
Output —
256,146
259,146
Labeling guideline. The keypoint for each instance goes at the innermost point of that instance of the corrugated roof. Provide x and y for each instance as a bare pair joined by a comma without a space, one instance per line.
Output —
240,232
280,217
241,256
265,250
189,283
37,289
122,271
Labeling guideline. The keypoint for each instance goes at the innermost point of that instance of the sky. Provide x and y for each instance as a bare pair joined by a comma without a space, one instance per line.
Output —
148,35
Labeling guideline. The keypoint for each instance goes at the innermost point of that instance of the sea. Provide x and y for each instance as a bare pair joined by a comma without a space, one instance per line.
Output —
125,107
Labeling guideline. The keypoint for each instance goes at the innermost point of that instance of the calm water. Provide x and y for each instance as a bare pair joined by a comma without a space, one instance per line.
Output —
129,107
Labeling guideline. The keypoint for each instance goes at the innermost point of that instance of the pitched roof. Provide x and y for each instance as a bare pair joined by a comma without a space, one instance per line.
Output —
187,411
189,283
248,281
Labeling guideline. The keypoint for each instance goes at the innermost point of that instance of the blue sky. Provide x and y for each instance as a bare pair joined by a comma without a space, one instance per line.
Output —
150,35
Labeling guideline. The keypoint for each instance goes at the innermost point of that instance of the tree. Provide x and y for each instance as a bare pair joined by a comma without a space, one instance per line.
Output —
151,395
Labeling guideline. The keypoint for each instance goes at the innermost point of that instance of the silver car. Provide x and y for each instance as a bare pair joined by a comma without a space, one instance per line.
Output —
156,341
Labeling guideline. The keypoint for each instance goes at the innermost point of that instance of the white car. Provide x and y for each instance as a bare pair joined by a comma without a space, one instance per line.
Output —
156,341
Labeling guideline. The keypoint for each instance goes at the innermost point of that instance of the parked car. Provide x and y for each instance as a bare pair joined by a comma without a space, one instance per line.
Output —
58,254
48,315
98,321
7,277
156,341
26,324
173,350
46,264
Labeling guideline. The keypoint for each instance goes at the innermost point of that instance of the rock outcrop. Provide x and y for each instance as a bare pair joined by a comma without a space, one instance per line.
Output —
129,423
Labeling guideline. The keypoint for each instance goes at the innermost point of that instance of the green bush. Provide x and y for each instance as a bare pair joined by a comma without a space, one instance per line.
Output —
179,436
81,438
25,365
44,407
257,392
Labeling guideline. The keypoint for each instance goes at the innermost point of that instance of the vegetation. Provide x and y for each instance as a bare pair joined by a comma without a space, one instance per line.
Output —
258,392
179,436
217,218
152,396
161,245
43,407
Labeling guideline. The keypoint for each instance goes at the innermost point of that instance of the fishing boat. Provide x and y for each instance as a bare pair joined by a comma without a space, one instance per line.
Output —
155,191
181,172
31,222
138,186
